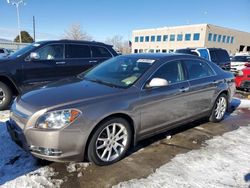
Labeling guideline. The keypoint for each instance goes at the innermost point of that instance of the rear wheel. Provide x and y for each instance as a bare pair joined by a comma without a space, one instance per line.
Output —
110,142
219,109
5,96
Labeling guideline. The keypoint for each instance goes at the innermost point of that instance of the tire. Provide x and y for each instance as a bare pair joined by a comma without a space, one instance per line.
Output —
5,96
111,148
219,109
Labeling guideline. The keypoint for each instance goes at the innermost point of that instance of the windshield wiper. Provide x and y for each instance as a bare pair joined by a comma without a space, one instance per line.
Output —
103,82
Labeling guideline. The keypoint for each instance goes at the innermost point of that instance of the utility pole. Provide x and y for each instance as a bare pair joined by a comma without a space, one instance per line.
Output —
16,3
34,29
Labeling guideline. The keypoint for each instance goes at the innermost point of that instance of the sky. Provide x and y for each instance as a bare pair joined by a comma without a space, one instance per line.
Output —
105,18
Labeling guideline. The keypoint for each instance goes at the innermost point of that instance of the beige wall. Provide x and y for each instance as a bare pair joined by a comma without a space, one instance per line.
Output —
240,38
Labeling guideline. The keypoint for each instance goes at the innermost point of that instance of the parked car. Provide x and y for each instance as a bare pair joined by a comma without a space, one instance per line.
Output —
99,114
242,79
4,52
43,62
240,62
217,55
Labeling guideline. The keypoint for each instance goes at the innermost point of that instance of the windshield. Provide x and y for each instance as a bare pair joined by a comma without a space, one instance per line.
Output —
241,59
119,71
23,50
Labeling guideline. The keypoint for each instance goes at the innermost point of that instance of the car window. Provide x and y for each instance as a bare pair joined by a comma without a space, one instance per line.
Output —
98,51
77,51
213,57
1,51
54,51
198,69
222,55
171,71
119,71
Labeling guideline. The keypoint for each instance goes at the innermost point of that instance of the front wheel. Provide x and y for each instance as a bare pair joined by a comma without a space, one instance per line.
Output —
110,142
219,109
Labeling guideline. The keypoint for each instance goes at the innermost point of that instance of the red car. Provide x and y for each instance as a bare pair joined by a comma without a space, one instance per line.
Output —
242,79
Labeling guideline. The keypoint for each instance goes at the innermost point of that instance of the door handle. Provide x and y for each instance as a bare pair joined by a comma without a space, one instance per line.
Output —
184,89
93,61
60,62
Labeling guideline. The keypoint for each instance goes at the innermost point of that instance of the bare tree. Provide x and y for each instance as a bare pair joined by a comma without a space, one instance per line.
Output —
119,44
75,32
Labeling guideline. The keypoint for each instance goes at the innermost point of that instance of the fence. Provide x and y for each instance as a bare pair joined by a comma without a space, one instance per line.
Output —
12,45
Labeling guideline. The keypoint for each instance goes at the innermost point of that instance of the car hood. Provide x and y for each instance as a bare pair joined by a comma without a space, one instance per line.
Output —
67,91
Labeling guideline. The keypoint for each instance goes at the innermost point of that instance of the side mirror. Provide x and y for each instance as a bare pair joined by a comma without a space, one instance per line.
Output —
34,56
157,82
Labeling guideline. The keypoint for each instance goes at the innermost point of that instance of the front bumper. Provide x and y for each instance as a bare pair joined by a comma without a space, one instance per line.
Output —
59,145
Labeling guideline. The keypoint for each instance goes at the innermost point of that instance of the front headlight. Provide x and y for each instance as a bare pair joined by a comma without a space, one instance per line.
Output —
57,119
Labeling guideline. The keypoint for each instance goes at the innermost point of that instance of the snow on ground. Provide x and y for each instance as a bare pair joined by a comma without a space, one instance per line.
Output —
224,162
19,168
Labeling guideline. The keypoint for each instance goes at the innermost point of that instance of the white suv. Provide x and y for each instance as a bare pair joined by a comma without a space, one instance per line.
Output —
239,62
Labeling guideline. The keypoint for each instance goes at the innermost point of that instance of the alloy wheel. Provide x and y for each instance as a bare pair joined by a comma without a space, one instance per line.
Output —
2,96
111,142
221,107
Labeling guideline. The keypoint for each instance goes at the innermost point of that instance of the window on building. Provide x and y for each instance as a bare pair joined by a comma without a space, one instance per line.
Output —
135,51
157,50
196,36
187,37
152,38
214,37
228,39
165,37
136,39
164,51
179,37
219,38
232,40
158,38
147,39
224,38
210,35
151,51
171,50
140,50
141,38
172,37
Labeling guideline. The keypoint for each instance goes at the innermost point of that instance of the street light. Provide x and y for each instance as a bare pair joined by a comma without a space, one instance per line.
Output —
16,3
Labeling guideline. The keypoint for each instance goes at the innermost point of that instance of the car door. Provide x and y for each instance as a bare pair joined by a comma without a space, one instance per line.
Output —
165,105
203,83
77,59
99,54
44,69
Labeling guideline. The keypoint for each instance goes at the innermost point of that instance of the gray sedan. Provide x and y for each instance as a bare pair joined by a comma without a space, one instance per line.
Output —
99,114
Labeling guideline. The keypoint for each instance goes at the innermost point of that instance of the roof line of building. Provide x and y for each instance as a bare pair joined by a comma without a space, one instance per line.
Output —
186,26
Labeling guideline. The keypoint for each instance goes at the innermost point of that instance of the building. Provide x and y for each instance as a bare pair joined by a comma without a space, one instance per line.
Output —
167,39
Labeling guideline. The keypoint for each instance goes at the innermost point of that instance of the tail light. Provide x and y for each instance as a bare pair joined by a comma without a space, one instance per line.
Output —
247,64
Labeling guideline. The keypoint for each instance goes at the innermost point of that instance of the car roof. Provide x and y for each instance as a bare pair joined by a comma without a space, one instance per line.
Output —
161,56
72,41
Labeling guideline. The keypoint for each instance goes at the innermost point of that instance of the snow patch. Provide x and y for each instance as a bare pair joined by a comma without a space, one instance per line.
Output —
38,178
224,162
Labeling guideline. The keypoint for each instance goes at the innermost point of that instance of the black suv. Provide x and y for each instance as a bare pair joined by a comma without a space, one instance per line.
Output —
217,55
46,61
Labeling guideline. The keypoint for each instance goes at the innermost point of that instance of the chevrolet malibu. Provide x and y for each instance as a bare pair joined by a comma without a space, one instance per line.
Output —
99,114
